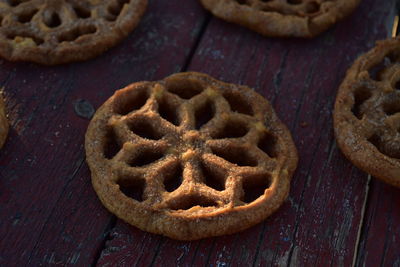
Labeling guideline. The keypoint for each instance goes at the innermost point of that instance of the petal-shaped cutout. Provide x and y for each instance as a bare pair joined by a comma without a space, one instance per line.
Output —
360,96
235,155
204,113
254,186
145,157
145,129
173,179
168,110
127,101
187,202
185,89
132,188
268,144
111,145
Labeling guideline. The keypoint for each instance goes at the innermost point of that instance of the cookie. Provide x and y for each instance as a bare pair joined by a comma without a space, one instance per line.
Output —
367,112
60,31
282,18
189,157
3,122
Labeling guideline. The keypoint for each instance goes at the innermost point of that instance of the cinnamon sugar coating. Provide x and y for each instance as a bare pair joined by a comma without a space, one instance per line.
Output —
189,156
53,32
367,112
283,18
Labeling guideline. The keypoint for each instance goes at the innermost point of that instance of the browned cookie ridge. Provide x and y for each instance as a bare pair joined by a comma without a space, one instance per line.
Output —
283,18
367,112
59,31
189,157
3,122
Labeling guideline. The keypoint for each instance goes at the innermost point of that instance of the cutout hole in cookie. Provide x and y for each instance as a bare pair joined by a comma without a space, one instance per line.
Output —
16,2
204,113
111,146
53,20
145,157
127,101
212,179
188,202
145,129
82,12
168,110
312,7
185,89
27,16
376,70
115,8
361,95
268,144
74,34
237,103
294,2
235,155
254,186
386,149
132,188
391,107
241,2
397,85
232,129
173,179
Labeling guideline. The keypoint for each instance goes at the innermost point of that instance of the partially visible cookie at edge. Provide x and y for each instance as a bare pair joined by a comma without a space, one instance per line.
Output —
3,122
58,31
367,112
190,157
276,18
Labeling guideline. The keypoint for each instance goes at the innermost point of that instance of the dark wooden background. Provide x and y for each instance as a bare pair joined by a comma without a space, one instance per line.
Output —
335,215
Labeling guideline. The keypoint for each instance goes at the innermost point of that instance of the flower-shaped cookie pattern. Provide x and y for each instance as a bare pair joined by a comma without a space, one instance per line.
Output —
60,31
367,112
193,156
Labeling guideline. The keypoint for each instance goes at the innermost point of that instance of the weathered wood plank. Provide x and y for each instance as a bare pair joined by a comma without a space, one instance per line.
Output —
319,222
50,213
380,238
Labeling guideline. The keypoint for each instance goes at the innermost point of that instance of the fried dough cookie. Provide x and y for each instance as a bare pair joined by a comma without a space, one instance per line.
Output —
3,122
189,157
53,32
367,112
282,18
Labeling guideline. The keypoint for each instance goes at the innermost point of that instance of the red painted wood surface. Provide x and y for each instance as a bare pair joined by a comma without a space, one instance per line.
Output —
51,215
49,211
320,222
380,239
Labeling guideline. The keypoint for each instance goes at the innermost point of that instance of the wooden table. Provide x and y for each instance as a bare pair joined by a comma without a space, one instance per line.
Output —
335,215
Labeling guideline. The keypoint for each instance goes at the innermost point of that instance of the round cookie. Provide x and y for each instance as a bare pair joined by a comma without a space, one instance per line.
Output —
53,32
283,18
367,112
3,122
189,156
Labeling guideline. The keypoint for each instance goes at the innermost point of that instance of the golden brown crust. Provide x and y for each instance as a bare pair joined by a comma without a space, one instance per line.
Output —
276,18
53,32
192,152
367,112
3,122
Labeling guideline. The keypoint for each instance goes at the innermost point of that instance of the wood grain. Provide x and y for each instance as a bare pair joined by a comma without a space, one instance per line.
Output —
380,239
50,213
319,222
